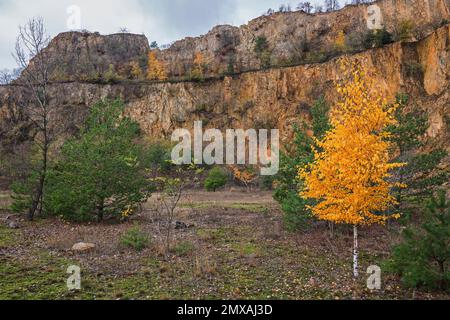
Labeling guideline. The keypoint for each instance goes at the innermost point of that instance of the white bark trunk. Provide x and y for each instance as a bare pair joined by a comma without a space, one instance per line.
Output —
355,252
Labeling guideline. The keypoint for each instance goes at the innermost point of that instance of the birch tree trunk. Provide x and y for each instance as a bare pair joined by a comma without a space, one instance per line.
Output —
355,252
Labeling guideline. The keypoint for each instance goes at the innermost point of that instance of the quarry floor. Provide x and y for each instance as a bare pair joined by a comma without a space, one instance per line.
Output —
235,247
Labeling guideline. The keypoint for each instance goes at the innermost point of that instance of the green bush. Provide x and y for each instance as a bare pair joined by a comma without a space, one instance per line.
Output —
101,171
135,238
423,259
158,156
377,38
216,178
261,44
262,51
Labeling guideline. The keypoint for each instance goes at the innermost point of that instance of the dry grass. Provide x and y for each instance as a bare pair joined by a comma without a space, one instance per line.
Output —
230,253
5,201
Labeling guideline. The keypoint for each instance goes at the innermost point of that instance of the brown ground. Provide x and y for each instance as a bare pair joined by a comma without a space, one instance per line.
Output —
234,248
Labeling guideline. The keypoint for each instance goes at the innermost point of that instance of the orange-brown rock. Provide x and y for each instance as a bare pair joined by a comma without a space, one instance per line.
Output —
273,98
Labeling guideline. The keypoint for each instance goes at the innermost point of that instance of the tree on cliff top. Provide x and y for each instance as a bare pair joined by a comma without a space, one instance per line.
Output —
349,176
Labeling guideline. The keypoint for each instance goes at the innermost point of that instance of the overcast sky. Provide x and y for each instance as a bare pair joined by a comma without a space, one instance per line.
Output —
163,21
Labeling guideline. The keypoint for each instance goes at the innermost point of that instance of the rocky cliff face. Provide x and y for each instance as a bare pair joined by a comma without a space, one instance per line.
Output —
292,38
84,56
298,36
274,98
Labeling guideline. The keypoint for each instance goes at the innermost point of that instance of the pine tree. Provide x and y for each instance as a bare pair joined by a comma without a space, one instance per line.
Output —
423,259
420,176
298,154
100,171
349,175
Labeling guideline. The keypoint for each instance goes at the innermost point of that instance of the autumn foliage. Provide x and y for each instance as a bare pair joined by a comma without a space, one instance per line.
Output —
349,178
156,69
244,176
197,72
340,41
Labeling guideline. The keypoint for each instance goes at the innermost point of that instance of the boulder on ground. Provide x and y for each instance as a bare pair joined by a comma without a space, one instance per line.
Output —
13,225
82,246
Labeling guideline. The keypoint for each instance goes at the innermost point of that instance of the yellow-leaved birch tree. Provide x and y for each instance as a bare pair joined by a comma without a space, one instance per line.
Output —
349,178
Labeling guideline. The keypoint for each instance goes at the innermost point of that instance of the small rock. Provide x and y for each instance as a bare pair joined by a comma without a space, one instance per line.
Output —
180,225
13,225
82,246
312,282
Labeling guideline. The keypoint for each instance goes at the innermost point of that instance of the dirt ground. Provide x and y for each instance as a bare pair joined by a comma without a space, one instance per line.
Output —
233,246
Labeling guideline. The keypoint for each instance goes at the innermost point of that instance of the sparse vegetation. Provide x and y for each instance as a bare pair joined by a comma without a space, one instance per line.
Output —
170,193
199,67
135,238
111,75
263,52
405,30
183,248
377,38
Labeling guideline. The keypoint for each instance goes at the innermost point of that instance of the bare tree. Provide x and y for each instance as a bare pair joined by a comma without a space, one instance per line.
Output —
8,76
285,8
36,64
171,191
331,5
305,6
361,1
5,77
